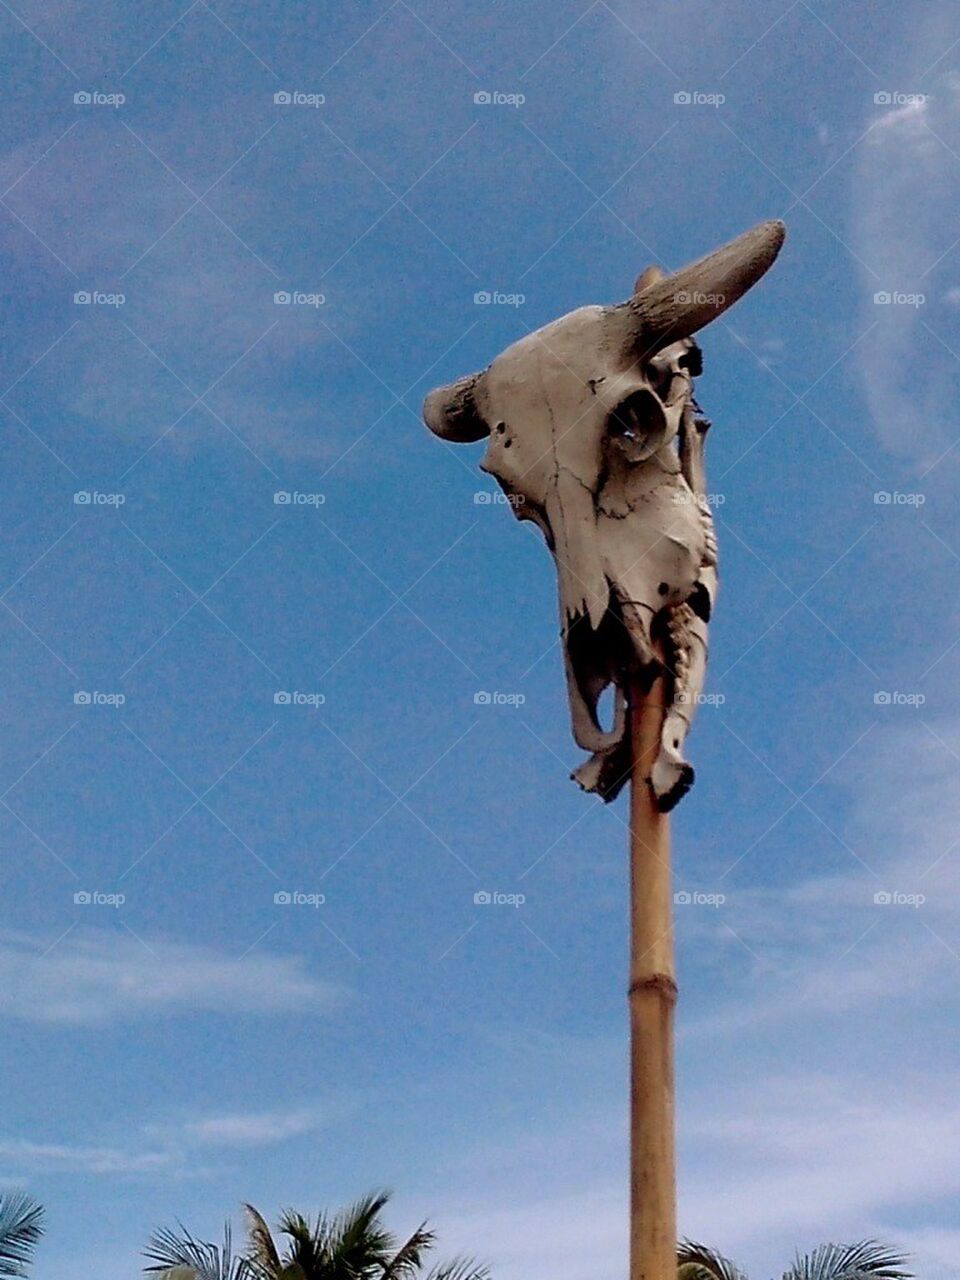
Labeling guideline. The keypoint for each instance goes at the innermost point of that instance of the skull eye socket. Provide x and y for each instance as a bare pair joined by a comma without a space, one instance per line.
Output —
637,421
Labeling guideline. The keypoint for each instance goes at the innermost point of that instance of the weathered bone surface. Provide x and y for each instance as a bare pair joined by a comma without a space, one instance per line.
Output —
595,435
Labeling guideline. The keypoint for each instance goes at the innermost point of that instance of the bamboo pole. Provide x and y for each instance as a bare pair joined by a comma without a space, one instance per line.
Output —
652,998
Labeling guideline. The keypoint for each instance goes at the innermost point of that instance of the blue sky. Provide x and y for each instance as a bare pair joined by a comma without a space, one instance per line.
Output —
198,1044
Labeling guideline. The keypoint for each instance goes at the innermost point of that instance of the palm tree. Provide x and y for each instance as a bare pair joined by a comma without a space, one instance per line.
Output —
21,1226
866,1260
353,1244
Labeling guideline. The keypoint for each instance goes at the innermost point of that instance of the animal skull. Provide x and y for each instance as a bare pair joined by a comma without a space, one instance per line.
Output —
594,434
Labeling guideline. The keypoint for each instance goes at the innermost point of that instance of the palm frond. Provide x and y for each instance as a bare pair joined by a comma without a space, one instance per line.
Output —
698,1262
358,1241
294,1224
21,1226
865,1260
261,1250
170,1250
459,1269
308,1247
408,1259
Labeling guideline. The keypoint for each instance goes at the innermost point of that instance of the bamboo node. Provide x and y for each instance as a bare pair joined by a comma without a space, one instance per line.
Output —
659,982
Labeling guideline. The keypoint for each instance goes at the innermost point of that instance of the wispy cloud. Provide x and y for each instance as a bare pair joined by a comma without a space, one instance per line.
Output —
96,977
841,1158
906,189
22,1156
775,1162
252,1129
175,1149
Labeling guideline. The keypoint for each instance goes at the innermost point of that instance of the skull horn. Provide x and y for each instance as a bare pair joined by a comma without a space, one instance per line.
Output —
677,306
451,412
647,277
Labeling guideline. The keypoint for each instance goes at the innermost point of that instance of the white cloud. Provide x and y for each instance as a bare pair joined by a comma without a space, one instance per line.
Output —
840,1156
906,188
252,1129
23,1156
908,121
99,976
783,1162
172,1149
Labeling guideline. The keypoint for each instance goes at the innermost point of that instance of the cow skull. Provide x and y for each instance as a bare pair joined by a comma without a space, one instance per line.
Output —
594,435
